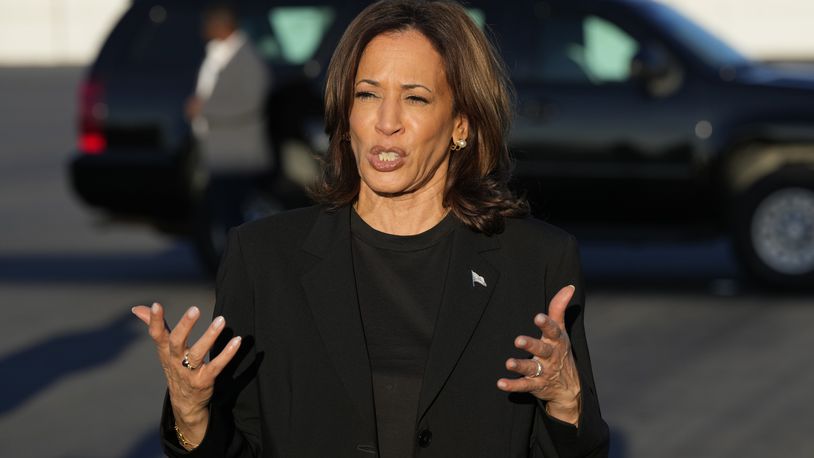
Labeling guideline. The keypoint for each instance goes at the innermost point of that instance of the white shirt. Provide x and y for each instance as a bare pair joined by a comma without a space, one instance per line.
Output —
218,55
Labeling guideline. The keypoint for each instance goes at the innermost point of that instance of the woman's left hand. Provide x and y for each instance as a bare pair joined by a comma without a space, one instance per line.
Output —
551,373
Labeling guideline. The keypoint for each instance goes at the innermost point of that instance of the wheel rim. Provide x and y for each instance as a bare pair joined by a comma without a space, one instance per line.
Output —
783,231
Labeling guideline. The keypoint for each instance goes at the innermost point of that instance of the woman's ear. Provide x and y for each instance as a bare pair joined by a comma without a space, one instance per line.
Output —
461,128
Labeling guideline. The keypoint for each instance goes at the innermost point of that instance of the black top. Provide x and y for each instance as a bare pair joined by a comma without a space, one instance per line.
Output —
400,283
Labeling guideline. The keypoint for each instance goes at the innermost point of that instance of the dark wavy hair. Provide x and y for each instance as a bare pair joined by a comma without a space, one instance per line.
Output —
477,190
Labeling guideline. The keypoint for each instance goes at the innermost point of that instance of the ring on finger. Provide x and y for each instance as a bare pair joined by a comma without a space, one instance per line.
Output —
186,362
539,369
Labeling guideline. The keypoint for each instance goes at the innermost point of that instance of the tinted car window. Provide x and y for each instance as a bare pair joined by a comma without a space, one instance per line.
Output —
607,52
567,48
155,36
290,35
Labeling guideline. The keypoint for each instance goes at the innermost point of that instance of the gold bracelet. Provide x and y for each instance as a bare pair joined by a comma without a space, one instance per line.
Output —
183,440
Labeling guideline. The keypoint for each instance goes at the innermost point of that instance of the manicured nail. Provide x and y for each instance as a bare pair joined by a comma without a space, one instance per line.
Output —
512,364
133,310
521,342
501,383
218,322
155,307
192,312
540,317
572,287
235,341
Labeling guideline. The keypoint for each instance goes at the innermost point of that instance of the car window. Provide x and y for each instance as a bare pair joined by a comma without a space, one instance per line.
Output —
168,37
152,37
572,49
478,16
607,52
290,35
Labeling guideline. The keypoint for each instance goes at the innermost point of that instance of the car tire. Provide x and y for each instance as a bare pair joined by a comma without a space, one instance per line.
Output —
773,229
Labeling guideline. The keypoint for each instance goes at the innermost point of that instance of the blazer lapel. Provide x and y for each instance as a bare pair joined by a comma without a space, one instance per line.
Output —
330,288
470,282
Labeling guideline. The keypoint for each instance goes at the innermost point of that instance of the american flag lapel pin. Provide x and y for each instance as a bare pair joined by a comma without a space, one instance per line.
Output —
478,279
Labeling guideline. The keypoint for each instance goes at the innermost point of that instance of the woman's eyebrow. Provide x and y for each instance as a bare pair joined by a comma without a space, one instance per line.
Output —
371,82
407,86
416,86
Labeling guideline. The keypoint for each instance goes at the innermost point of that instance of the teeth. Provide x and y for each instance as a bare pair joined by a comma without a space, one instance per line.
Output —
388,156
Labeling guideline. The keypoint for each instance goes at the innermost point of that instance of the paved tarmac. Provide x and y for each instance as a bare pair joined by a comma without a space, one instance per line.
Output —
690,361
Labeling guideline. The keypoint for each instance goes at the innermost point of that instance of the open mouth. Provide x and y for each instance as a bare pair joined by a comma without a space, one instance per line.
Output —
388,156
386,159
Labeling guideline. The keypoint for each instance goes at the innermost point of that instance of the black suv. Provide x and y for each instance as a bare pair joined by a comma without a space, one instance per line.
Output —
628,116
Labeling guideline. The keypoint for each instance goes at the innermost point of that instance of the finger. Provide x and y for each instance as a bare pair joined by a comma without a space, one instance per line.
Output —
558,304
198,352
214,367
525,367
157,327
142,312
534,346
180,334
519,385
550,328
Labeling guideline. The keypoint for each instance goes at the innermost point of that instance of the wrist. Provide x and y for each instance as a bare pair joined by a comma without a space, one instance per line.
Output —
187,413
192,419
567,409
183,439
190,427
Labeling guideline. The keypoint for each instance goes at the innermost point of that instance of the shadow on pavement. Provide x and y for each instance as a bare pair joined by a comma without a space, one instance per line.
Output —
618,444
148,446
176,265
37,367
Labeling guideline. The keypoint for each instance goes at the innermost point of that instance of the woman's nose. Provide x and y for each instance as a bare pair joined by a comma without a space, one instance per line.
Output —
388,121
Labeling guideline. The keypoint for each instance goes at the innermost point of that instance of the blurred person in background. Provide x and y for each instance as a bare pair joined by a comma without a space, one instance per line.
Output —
396,315
227,118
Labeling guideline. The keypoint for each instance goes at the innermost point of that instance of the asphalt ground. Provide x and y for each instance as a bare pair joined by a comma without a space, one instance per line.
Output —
690,360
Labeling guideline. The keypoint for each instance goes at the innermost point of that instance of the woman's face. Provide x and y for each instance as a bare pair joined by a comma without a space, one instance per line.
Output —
401,121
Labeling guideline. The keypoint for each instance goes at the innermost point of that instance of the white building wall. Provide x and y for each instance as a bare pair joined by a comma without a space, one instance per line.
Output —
763,29
58,32
55,32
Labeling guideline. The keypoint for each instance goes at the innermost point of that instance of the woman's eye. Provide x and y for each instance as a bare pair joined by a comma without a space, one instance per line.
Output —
362,95
418,99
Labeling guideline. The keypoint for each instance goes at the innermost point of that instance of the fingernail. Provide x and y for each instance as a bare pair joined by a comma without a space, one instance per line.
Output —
235,341
572,287
501,383
511,364
521,342
540,317
218,322
133,310
192,312
155,307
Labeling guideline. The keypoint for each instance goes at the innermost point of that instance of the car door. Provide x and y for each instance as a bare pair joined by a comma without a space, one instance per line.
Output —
592,142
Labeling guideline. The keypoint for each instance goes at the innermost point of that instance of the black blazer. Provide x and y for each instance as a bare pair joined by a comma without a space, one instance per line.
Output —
301,384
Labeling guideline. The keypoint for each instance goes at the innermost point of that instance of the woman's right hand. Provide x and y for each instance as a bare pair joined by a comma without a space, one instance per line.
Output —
190,385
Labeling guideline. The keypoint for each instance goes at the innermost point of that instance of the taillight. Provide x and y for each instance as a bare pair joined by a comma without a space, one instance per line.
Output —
92,114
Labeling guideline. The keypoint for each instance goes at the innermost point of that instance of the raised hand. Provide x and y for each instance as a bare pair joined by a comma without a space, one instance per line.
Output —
190,378
551,373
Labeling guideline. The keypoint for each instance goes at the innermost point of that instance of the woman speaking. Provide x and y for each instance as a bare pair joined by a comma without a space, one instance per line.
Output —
403,316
